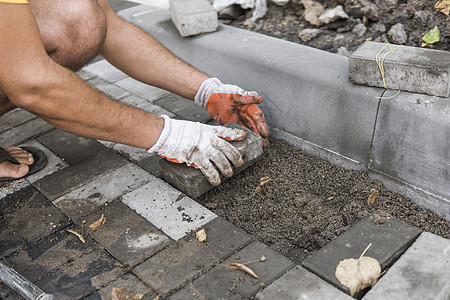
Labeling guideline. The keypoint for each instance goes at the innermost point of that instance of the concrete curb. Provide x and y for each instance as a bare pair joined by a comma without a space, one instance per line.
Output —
309,102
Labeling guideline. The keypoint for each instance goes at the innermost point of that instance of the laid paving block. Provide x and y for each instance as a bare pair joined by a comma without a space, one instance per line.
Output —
71,148
105,70
299,283
193,17
389,240
411,69
84,75
184,108
225,283
167,208
82,201
146,91
15,118
74,176
147,161
192,182
10,187
126,235
108,88
24,132
146,105
422,272
10,240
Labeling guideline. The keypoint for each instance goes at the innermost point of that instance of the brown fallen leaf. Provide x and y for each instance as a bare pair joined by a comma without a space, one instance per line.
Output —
357,274
97,224
77,234
238,266
201,235
121,294
262,181
372,198
443,6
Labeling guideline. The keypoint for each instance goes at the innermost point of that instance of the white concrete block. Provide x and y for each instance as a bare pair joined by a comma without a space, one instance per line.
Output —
193,17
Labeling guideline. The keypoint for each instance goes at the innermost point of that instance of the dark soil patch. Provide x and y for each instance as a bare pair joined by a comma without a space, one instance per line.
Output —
416,16
308,202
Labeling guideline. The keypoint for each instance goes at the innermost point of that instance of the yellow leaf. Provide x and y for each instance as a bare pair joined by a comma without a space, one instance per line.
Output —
97,224
238,266
121,294
77,234
372,198
201,235
443,6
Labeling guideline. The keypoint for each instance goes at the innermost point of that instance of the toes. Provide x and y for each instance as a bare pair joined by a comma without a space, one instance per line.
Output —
8,169
21,155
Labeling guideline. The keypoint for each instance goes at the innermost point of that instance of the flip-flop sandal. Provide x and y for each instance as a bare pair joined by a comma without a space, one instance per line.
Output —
40,161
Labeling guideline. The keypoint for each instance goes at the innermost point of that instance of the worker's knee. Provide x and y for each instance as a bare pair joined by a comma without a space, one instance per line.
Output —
73,31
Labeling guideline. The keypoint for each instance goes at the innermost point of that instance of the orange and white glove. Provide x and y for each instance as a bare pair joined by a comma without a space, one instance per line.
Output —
197,144
225,103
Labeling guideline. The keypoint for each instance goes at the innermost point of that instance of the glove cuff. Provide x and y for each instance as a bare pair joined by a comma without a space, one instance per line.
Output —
206,90
159,145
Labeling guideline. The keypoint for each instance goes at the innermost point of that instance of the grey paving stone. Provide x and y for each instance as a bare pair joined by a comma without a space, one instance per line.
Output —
24,132
15,118
126,235
184,108
104,70
146,91
389,241
79,203
10,240
157,110
193,17
422,272
192,182
411,69
134,100
9,187
225,283
167,208
69,147
74,176
299,283
84,75
108,88
118,5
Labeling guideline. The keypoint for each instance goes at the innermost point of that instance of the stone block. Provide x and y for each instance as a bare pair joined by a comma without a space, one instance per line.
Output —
10,240
108,88
79,203
15,118
225,283
299,283
126,235
10,187
105,70
193,17
84,75
63,181
192,182
146,105
411,69
184,108
422,272
146,91
389,240
147,161
24,132
167,208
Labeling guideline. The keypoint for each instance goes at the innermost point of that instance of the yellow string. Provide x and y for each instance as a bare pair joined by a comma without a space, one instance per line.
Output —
380,61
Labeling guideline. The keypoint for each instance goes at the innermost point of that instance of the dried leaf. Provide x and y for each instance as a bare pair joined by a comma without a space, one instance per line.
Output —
77,234
443,6
238,266
357,274
97,224
262,181
121,294
372,198
432,36
201,235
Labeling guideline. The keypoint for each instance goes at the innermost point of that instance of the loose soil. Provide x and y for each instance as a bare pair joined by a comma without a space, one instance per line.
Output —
416,16
308,202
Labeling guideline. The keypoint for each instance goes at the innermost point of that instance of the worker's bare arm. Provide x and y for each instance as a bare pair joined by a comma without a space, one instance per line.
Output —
32,80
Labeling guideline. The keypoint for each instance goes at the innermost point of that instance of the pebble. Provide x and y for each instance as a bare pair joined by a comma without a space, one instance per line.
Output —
280,2
343,51
423,16
313,10
398,34
379,27
333,14
371,12
308,34
359,29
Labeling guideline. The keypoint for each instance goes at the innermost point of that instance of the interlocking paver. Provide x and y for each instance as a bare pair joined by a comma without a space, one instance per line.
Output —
15,118
299,283
10,187
225,283
82,201
422,272
23,132
389,240
193,17
105,70
126,235
184,108
74,176
85,75
10,241
108,88
146,91
167,208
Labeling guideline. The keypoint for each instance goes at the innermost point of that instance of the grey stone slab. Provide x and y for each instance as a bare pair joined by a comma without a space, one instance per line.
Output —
80,202
127,282
104,70
422,272
10,240
74,176
184,108
108,88
15,118
157,110
24,132
299,283
411,69
411,146
136,101
192,182
193,17
225,283
389,240
146,91
9,187
118,5
167,208
126,235
69,147
84,75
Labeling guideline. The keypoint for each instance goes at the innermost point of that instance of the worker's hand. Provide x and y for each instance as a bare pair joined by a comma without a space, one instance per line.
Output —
226,103
197,145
